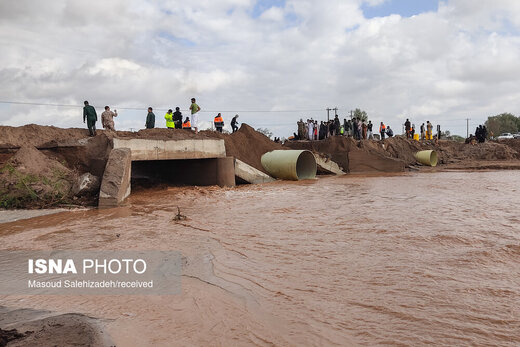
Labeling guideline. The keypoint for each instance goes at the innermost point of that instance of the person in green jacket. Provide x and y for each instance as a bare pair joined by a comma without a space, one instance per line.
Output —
150,119
89,113
170,124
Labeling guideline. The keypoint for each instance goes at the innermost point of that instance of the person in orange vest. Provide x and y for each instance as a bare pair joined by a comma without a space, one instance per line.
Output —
382,130
187,124
219,122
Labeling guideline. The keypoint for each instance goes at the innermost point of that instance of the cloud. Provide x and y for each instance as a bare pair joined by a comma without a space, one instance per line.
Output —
299,57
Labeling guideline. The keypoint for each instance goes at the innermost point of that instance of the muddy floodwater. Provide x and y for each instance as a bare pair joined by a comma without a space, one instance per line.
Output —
413,259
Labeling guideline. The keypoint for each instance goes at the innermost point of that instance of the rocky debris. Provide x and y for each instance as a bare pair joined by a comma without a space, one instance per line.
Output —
86,184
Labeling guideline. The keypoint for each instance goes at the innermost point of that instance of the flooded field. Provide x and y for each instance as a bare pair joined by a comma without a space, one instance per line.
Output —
414,259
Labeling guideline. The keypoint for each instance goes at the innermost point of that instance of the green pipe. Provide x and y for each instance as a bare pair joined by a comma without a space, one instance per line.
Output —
428,158
290,164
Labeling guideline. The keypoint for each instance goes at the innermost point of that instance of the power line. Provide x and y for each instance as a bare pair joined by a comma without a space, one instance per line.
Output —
158,109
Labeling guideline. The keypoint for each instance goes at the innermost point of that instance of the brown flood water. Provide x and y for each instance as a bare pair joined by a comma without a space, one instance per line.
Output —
415,259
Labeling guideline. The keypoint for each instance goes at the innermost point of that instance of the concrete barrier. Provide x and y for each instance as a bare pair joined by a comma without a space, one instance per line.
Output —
143,149
115,185
327,165
249,174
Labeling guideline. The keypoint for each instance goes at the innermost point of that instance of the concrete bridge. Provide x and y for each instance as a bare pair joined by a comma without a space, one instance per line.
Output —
191,162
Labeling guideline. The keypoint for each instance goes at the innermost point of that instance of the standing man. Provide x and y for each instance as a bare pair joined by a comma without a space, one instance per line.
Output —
422,132
337,125
429,131
177,118
355,129
150,119
364,130
169,119
382,130
300,128
194,108
407,128
310,129
89,113
219,122
107,118
369,130
234,123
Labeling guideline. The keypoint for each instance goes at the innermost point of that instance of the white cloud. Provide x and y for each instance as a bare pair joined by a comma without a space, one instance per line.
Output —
306,55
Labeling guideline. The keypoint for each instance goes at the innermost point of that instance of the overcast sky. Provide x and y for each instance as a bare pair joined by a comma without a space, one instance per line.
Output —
272,62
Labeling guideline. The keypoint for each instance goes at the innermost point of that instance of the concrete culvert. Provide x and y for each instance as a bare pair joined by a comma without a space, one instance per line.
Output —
290,164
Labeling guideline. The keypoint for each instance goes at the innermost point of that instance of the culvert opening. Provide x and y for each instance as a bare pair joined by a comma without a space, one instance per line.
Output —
180,172
306,166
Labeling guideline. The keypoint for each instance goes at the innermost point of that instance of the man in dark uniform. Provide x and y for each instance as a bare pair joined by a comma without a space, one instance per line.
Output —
407,128
150,119
234,123
177,118
89,113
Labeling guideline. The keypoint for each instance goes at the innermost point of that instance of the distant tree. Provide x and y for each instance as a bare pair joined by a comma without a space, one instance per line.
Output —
265,131
360,114
503,123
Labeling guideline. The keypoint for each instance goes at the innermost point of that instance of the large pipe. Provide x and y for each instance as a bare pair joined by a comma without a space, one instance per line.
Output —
428,158
290,164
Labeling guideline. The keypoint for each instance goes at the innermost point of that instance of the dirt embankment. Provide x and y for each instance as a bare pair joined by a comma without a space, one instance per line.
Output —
447,151
367,154
39,165
246,144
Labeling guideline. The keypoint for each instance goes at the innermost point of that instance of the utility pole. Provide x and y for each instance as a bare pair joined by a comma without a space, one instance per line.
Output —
467,127
328,110
351,115
335,111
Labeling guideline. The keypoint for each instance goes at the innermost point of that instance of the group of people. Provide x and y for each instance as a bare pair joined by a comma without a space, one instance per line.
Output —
384,130
481,133
311,130
357,128
174,120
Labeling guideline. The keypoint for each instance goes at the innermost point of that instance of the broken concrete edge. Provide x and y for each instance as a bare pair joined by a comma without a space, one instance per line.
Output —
250,174
115,185
327,164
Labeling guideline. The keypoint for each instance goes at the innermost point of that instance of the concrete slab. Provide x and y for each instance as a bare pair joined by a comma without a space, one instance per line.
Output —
250,174
327,165
143,149
115,185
